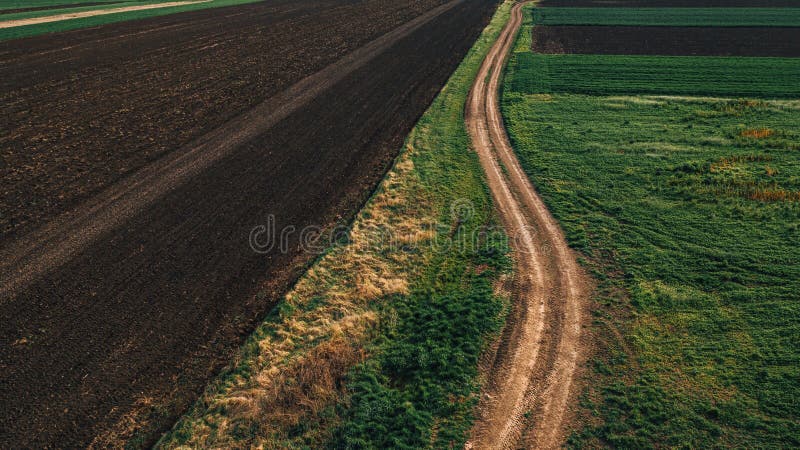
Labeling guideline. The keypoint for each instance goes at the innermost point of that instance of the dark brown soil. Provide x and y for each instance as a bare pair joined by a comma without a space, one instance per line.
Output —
678,41
674,3
149,312
45,8
89,107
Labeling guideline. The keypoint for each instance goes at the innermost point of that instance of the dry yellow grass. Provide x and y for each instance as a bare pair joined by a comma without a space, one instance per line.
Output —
756,133
302,358
728,163
774,195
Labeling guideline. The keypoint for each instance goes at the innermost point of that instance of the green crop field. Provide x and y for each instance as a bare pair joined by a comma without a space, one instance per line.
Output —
18,4
665,75
75,9
72,24
680,17
687,211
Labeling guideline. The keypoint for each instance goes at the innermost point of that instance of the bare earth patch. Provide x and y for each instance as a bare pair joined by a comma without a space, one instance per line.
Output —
671,41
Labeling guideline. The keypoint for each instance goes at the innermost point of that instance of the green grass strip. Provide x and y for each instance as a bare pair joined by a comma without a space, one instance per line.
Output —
73,24
667,75
77,9
18,4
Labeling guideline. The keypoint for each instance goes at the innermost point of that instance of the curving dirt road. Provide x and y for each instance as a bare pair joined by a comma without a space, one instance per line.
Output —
531,383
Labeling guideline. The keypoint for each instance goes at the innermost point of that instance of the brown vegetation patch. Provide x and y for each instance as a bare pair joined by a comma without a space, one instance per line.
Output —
774,195
294,396
755,190
757,133
670,41
728,162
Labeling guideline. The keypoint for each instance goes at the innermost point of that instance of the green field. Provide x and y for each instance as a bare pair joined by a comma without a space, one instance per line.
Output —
18,4
430,308
57,11
72,24
679,17
687,209
663,75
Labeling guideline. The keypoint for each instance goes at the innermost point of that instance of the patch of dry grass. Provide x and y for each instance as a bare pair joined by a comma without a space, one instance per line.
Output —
286,387
756,133
302,356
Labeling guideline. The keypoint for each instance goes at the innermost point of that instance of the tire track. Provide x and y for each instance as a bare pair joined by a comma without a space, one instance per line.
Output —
531,382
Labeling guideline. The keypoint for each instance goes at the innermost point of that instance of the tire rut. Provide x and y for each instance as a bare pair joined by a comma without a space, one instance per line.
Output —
526,400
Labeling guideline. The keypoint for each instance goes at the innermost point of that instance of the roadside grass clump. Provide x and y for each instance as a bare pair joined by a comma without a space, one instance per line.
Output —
378,343
690,225
676,17
756,133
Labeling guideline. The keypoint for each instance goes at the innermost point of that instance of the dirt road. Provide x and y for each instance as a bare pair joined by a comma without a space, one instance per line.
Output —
167,155
530,387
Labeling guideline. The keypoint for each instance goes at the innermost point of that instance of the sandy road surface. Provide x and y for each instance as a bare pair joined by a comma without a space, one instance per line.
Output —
96,12
538,360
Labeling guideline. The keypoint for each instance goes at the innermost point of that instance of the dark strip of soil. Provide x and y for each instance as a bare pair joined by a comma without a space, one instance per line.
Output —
674,41
45,8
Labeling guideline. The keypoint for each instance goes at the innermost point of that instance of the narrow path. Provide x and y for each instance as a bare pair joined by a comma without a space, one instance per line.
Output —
92,13
529,387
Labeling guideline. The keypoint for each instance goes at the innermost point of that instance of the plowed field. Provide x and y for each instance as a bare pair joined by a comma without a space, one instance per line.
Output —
111,327
697,41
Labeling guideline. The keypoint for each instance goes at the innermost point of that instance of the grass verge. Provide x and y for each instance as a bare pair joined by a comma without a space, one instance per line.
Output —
687,210
378,344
